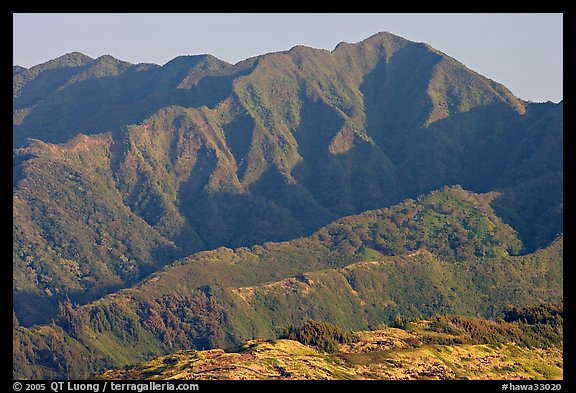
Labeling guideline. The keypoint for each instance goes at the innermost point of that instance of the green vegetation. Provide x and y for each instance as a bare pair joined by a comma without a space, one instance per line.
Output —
387,353
224,297
402,322
551,314
534,327
323,335
124,175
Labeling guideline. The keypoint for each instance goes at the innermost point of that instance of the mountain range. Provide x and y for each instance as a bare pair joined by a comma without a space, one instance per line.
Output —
200,204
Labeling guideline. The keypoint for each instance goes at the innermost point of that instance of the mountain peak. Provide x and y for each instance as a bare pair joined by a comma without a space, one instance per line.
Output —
191,60
110,58
17,69
72,59
385,37
200,155
383,44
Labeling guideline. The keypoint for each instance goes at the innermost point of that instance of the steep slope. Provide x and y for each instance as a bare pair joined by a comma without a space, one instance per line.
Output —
198,154
73,236
440,254
133,167
75,94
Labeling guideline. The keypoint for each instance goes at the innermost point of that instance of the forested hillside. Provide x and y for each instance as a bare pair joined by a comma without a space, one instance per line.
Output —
199,204
446,252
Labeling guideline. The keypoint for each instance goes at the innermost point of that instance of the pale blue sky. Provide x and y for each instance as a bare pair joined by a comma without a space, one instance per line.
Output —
522,51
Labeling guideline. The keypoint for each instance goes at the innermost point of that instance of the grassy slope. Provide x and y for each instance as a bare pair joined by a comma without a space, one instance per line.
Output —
199,154
449,251
380,354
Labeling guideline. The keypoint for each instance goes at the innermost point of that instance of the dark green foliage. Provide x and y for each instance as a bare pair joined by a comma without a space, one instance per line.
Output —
50,353
535,209
549,314
221,298
539,326
323,335
192,321
447,223
200,154
71,320
402,322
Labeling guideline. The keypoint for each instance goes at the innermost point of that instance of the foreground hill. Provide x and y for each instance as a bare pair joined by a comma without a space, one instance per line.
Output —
446,252
424,351
121,169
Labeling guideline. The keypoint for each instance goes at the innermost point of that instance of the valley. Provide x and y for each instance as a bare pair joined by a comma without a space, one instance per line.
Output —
200,205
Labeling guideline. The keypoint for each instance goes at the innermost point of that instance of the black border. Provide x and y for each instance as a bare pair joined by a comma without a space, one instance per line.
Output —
495,385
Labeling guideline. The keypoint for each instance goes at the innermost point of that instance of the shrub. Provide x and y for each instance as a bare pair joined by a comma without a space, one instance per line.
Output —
401,322
550,313
539,326
323,335
412,341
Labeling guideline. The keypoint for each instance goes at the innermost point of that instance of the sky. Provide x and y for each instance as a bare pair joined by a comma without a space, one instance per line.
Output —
522,51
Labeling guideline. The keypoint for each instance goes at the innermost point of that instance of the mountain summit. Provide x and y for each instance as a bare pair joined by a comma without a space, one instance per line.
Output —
120,169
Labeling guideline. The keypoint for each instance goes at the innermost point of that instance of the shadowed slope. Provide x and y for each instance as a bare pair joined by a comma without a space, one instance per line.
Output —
440,254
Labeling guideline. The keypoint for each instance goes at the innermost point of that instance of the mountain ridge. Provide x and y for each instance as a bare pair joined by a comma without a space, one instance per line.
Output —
316,133
123,171
415,350
380,42
419,258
